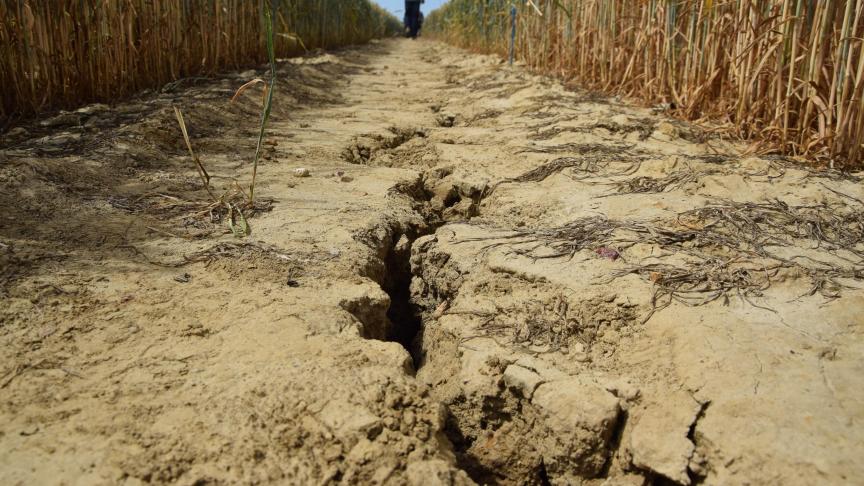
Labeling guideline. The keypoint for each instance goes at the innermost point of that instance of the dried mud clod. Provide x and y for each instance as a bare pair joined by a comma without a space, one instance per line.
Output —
400,147
400,136
297,430
359,152
498,439
455,200
514,419
514,423
446,120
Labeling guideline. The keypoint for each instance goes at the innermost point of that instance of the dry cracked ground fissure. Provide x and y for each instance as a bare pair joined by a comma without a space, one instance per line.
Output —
480,277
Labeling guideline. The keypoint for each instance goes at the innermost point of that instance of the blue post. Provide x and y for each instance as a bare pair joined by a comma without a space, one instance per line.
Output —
512,33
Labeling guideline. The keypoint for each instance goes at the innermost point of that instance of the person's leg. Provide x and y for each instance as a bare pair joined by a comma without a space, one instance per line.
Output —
409,14
412,11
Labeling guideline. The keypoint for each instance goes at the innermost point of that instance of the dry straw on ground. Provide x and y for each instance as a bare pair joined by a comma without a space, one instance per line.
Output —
788,74
63,53
721,250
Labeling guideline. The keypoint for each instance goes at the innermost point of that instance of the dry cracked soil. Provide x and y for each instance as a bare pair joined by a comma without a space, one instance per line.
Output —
479,277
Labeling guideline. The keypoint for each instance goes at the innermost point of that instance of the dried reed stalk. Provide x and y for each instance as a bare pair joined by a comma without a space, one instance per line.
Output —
788,74
63,53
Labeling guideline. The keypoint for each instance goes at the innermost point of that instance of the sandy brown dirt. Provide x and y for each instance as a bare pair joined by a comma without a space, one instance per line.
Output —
484,278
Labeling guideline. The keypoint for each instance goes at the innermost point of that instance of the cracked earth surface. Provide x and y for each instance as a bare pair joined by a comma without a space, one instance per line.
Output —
484,278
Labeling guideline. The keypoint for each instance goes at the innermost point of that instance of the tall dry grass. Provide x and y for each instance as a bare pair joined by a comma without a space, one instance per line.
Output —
62,53
788,74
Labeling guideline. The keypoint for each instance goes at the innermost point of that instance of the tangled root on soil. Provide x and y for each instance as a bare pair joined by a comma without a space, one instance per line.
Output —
484,115
581,149
567,100
775,169
563,241
599,162
776,223
645,127
281,265
595,161
654,185
586,165
547,326
727,248
201,218
492,84
704,283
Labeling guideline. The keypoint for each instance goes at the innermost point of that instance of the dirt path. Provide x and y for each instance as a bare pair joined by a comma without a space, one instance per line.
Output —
485,277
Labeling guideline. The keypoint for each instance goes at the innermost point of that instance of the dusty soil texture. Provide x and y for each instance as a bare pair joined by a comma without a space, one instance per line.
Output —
484,278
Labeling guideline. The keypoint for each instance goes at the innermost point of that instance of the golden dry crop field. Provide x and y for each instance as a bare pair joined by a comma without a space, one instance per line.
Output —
277,242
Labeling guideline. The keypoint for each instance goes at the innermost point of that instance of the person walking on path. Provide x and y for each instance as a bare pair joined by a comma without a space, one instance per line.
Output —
412,17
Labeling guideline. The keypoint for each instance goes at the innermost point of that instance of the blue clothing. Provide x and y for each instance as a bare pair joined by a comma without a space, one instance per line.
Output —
413,17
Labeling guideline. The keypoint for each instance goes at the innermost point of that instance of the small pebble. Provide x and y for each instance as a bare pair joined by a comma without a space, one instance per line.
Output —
301,172
346,178
610,253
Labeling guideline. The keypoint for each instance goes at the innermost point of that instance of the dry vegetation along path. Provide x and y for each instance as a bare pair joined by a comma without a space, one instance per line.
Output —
484,278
